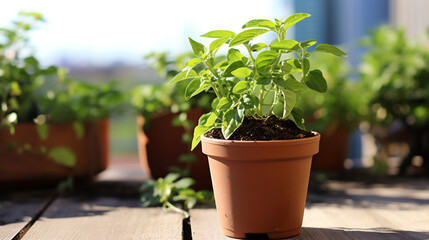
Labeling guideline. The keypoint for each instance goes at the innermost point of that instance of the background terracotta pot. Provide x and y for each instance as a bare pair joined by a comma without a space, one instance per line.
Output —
334,148
32,168
161,146
260,187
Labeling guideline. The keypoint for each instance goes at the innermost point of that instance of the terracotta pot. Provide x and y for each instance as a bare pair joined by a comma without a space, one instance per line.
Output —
334,146
161,146
33,168
260,187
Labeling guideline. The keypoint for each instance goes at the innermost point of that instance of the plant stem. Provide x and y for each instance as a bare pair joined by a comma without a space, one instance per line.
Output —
251,58
301,57
275,100
261,100
222,92
176,209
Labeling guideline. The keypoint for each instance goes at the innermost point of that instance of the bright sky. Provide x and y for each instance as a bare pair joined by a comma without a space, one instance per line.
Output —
102,31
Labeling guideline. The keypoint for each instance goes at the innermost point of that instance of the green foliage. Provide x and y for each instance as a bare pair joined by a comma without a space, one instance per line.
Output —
32,93
395,70
63,156
153,99
20,74
172,191
75,101
266,85
29,92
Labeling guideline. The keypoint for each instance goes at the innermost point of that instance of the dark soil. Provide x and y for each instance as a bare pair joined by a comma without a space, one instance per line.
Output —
271,128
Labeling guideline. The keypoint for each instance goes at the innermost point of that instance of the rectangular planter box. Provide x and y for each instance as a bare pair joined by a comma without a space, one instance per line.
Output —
24,158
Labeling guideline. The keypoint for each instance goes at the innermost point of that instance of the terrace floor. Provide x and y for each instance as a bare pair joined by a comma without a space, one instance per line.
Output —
108,208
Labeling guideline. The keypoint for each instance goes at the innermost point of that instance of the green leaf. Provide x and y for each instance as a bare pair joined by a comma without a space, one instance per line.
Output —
63,156
263,81
241,72
197,47
190,203
234,55
12,118
171,177
216,44
15,89
290,101
184,183
284,107
297,116
246,36
232,119
193,62
221,64
266,58
279,81
289,45
278,109
293,85
203,119
198,132
233,66
294,63
241,87
250,101
260,23
295,18
316,81
79,129
208,119
215,102
224,103
219,34
258,47
43,131
307,43
196,86
186,74
323,47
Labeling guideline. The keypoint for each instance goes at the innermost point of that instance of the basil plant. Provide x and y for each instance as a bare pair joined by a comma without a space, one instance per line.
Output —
258,86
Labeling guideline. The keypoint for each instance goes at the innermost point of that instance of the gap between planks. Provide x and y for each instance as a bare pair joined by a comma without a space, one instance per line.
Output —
39,213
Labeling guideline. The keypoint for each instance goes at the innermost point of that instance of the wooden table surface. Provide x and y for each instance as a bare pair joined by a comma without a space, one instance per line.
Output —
108,208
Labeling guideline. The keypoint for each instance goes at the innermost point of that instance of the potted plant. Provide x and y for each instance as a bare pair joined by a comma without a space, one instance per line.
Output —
335,114
259,152
51,127
395,69
164,111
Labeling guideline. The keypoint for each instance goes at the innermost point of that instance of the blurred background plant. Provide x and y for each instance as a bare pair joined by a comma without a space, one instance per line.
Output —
32,93
395,79
20,73
174,190
152,99
155,101
395,70
36,95
174,193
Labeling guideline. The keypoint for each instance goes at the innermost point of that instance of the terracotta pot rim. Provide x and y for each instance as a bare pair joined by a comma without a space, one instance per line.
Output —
288,142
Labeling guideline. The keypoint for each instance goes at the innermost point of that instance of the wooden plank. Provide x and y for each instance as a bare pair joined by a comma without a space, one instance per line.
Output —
205,225
333,222
18,208
378,212
105,218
